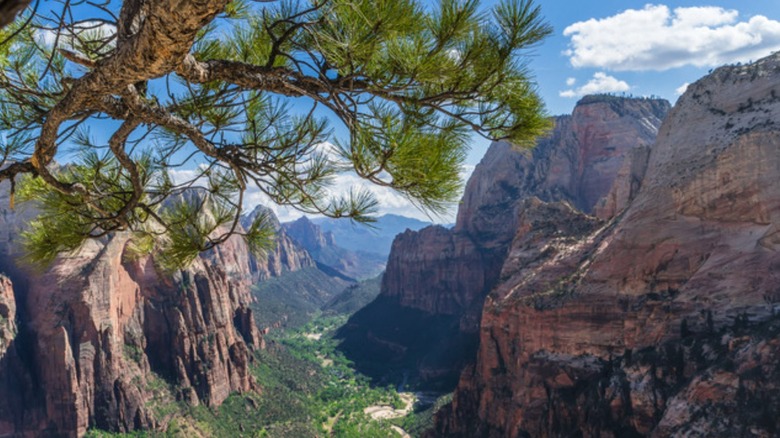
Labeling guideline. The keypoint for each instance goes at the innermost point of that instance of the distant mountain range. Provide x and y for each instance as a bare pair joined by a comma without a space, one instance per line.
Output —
329,265
374,239
325,249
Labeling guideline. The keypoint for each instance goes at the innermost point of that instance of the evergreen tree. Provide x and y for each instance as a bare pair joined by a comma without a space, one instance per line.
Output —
241,94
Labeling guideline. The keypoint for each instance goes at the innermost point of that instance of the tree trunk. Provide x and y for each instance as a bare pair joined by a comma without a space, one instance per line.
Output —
9,9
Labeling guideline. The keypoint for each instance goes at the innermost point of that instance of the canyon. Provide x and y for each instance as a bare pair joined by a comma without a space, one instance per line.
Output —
93,340
104,338
425,323
325,250
619,279
659,318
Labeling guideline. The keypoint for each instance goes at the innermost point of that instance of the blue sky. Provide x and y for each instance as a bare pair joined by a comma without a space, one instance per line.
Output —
643,48
630,46
620,46
622,21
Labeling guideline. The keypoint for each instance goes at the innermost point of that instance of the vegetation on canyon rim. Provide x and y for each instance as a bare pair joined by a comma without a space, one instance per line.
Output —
241,94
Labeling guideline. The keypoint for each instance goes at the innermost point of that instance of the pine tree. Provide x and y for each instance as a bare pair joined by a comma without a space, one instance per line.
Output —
241,94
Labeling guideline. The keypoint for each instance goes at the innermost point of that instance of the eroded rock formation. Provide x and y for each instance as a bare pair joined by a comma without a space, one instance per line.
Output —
325,251
436,279
662,321
102,336
286,256
7,314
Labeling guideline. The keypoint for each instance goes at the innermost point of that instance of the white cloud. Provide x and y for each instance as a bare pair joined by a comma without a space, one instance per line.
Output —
681,89
570,82
389,201
455,55
80,33
657,38
601,83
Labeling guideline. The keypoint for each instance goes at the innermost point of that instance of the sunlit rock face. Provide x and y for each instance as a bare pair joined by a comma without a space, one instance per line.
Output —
285,256
328,255
662,321
87,341
7,314
426,320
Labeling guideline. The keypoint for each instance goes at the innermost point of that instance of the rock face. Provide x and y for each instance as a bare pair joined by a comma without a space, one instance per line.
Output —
662,321
7,314
577,162
437,279
325,251
286,256
309,235
100,332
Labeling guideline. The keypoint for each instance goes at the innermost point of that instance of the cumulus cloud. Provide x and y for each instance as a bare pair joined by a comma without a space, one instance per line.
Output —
657,38
681,89
570,82
600,83
80,33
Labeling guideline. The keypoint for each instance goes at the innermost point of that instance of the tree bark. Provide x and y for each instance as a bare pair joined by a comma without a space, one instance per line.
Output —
9,9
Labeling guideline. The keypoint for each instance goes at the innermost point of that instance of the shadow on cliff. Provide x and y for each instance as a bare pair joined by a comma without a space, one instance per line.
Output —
719,381
24,408
407,346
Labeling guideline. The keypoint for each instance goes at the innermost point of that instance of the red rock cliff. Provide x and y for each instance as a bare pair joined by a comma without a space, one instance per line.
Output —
662,322
105,329
286,256
101,331
7,314
436,279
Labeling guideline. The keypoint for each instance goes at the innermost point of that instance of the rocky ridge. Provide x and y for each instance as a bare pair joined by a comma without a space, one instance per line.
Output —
286,256
436,279
376,238
662,321
326,251
100,332
7,314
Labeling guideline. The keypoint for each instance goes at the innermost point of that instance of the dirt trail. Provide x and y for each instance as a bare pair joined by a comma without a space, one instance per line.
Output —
401,432
379,412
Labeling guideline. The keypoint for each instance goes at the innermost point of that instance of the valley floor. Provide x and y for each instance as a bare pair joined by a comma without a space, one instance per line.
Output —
309,389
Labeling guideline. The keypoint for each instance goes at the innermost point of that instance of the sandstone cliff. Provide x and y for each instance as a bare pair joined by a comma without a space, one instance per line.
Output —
325,250
427,317
286,256
105,340
7,314
662,321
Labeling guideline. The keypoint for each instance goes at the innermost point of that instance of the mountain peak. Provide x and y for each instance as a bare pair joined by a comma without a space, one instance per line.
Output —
247,219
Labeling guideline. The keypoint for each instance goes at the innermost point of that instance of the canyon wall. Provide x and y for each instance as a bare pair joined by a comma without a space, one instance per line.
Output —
7,314
326,252
286,256
661,321
426,320
103,339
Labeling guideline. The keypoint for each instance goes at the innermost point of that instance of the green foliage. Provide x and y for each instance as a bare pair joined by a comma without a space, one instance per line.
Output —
294,298
66,220
95,433
354,297
422,420
133,352
406,84
308,388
